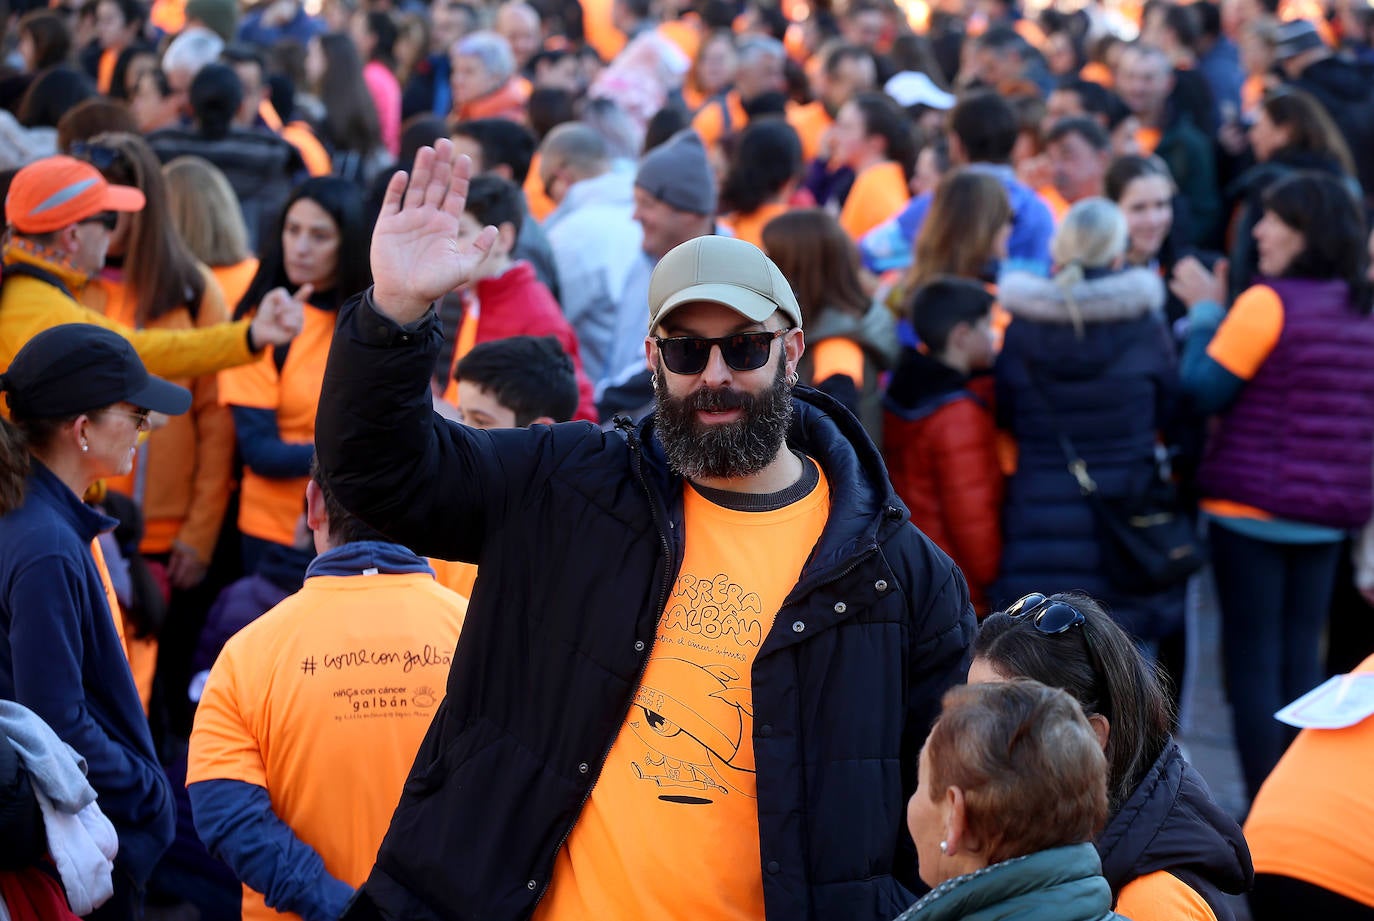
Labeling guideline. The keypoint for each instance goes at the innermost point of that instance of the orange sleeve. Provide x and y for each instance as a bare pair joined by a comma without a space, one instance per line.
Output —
540,205
457,577
879,192
256,385
1162,896
1249,333
709,125
223,745
837,356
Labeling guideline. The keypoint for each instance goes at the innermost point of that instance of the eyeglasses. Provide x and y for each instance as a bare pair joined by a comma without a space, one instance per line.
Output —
107,219
1050,617
140,417
97,155
742,351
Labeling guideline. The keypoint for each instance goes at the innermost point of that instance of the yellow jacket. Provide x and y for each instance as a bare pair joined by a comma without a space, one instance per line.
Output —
189,460
30,305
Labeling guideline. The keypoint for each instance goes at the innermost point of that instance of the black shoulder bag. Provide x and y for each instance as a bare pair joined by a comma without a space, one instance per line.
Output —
1148,545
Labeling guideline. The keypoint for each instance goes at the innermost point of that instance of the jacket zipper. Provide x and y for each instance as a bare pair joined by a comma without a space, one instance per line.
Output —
634,443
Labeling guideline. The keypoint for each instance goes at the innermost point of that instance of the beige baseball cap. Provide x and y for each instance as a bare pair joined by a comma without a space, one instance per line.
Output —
720,270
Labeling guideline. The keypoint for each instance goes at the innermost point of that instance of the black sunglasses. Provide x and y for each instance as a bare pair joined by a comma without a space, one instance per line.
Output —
1050,617
107,219
742,351
97,155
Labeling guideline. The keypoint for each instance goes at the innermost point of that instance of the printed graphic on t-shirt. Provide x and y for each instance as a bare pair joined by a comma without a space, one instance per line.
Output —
356,694
694,710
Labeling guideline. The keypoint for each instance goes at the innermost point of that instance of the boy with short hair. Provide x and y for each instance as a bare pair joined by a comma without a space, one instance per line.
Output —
507,299
940,439
515,383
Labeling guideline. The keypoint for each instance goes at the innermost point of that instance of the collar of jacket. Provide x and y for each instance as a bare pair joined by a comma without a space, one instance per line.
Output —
27,252
1062,883
367,557
920,380
44,485
1120,296
863,507
490,290
1171,823
510,95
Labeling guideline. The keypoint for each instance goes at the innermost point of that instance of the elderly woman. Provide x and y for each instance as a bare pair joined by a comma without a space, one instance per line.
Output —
1012,788
484,81
1169,852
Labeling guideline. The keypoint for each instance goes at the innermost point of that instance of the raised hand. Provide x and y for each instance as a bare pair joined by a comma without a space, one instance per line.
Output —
416,258
1193,284
280,316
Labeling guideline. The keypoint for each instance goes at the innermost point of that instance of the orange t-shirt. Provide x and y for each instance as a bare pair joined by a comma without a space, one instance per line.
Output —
1054,201
234,280
323,702
269,507
598,24
1313,820
878,193
1244,340
672,828
1148,138
709,123
539,203
837,356
1161,896
811,122
456,577
749,227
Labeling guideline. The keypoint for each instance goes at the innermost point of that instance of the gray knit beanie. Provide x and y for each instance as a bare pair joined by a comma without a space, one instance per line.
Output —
678,174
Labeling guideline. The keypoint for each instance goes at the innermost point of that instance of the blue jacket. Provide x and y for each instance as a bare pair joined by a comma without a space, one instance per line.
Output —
1110,392
1171,823
578,534
888,246
1060,884
62,658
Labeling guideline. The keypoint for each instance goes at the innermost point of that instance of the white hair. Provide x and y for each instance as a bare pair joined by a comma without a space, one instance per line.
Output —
492,49
192,50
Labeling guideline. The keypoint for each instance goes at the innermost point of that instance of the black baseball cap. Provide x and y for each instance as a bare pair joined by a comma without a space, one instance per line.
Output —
78,367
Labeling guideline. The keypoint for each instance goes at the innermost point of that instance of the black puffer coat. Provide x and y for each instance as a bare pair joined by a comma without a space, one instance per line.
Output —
578,533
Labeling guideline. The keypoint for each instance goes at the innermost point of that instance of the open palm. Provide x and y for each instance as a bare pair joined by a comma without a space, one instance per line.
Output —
416,258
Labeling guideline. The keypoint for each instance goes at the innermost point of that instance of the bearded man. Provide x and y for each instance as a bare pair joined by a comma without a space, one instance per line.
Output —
702,653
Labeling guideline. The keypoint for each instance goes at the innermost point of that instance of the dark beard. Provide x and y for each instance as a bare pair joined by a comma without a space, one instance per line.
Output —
697,450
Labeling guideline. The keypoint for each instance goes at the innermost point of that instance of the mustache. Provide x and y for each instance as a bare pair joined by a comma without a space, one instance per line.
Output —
721,399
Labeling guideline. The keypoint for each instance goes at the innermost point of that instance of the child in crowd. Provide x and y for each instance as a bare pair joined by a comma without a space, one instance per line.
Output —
507,299
940,439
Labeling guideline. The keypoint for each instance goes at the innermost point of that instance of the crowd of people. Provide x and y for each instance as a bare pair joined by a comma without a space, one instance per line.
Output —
554,459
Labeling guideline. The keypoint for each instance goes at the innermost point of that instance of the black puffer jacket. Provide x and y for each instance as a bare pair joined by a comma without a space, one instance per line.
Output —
1170,823
578,535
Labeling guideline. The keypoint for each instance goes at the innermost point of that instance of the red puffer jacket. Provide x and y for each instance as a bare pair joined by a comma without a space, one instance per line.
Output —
940,444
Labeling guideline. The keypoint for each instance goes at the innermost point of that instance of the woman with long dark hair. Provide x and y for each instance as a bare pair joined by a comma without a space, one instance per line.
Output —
1285,476
851,340
1292,131
1168,851
183,474
351,126
765,167
319,252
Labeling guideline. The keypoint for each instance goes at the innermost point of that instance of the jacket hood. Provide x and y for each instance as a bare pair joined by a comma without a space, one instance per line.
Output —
919,381
863,507
1111,298
1171,823
875,331
367,557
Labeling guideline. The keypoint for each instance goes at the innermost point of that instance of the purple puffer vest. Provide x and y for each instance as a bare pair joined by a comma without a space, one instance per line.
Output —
1299,439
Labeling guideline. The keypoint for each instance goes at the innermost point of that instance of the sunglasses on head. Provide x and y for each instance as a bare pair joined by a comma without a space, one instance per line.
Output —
742,351
97,155
1049,617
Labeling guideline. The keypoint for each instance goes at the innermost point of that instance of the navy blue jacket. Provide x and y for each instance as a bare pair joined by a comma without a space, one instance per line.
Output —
1171,823
1110,391
578,534
61,657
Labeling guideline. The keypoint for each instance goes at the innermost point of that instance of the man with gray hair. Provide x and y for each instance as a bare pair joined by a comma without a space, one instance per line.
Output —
593,235
186,56
519,24
484,79
762,70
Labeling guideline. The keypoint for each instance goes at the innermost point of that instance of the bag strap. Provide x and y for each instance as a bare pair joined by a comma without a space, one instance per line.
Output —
1077,466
